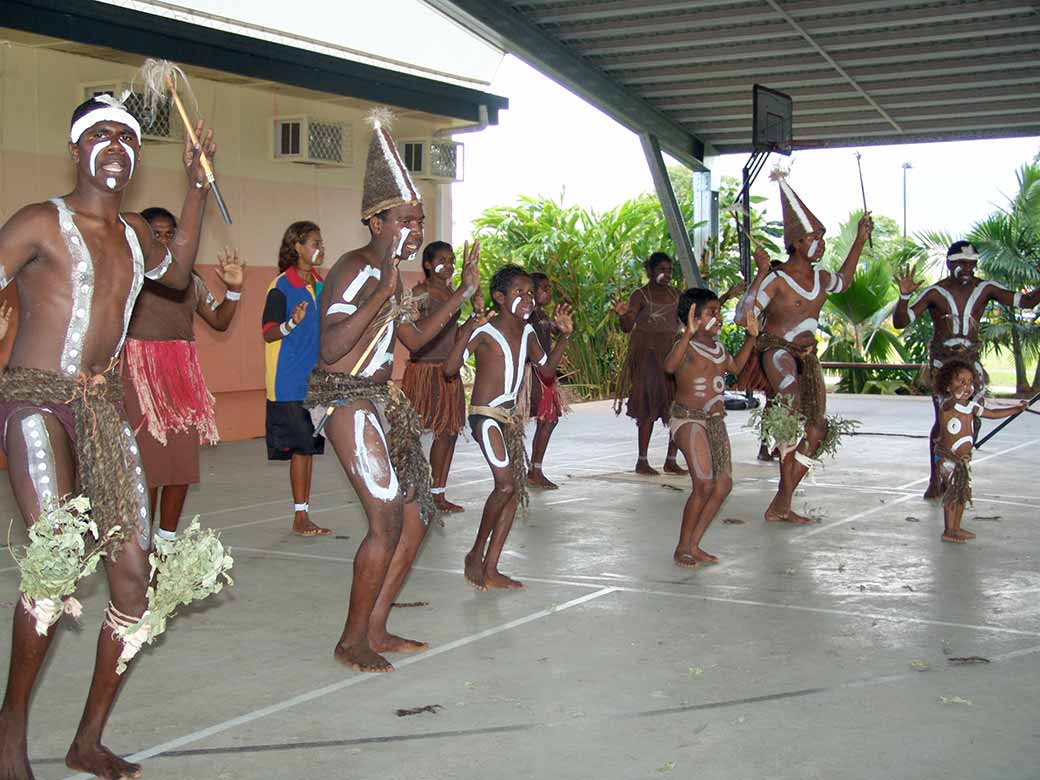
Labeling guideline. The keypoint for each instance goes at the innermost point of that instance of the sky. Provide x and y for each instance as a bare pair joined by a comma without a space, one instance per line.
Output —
550,142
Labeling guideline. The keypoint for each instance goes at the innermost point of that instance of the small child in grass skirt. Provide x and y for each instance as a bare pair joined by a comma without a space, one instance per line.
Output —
955,441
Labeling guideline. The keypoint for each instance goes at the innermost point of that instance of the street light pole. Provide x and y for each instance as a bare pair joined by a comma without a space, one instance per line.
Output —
906,166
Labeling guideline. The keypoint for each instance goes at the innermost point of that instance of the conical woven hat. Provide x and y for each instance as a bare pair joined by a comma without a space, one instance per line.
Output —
798,220
387,181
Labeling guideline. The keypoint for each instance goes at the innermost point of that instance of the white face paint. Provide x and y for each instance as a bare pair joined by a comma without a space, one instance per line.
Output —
812,247
661,277
110,182
129,153
438,268
401,242
515,305
316,259
711,324
98,149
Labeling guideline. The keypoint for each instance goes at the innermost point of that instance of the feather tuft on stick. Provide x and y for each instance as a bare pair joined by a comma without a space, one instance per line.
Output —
380,117
779,173
159,78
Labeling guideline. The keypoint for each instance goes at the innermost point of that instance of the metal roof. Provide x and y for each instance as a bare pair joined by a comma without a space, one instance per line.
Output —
860,71
126,35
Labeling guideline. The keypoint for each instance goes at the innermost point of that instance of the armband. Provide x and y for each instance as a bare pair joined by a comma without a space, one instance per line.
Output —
231,295
287,327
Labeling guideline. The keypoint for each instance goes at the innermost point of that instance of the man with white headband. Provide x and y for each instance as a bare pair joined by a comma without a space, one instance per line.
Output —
956,305
787,300
80,264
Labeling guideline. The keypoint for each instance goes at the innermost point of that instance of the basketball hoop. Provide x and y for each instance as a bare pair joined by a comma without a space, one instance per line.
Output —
771,129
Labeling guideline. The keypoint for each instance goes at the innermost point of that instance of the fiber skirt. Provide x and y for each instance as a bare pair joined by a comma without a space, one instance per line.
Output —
440,402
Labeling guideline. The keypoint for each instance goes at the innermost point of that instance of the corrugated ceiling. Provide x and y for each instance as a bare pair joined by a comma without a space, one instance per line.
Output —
860,72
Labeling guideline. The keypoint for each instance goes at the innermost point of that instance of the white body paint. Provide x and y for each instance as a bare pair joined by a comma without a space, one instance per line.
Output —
379,476
493,459
953,426
511,375
812,248
98,149
130,154
963,440
711,324
514,305
41,458
438,268
661,278
405,232
349,294
716,354
805,326
110,182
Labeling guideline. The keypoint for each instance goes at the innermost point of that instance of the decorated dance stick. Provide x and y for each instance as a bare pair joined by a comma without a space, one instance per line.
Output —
1006,422
160,78
863,192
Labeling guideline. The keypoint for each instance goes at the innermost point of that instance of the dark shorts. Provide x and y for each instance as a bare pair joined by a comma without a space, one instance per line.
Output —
290,431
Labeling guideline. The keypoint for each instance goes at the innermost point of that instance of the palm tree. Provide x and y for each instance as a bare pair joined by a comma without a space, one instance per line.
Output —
1008,241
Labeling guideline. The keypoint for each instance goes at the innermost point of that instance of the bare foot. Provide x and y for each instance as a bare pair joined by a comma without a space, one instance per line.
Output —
361,658
391,643
787,517
496,579
933,491
965,534
538,479
446,506
950,537
643,467
474,571
99,761
14,752
706,557
302,526
685,560
671,467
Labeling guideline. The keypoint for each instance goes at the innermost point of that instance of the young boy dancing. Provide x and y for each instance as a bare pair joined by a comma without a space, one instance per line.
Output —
955,439
699,363
502,347
547,401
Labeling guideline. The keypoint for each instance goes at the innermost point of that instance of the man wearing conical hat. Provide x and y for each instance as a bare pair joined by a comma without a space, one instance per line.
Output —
369,421
956,305
787,300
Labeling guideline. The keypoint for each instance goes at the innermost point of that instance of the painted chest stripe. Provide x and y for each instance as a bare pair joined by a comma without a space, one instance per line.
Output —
809,296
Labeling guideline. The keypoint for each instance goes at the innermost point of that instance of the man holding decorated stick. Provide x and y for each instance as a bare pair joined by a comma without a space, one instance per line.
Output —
371,425
956,305
80,264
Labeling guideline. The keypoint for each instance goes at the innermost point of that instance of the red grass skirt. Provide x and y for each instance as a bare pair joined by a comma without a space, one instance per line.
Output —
169,407
548,398
440,402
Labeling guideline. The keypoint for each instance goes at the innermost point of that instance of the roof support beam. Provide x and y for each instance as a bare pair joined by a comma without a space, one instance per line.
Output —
672,213
509,30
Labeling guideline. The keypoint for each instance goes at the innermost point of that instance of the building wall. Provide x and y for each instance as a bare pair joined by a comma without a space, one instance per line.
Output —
39,89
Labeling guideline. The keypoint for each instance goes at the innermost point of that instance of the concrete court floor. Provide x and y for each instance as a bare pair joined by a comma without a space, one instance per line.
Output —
790,659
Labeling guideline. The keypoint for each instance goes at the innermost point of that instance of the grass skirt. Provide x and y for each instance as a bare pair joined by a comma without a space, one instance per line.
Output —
440,402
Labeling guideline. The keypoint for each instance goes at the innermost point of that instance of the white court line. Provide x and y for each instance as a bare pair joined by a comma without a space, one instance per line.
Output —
567,501
719,599
317,693
830,611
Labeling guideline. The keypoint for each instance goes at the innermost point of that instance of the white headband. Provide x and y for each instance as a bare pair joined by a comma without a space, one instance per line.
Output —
106,114
967,254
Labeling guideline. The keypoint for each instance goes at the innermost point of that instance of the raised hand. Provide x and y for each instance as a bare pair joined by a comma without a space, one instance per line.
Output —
692,323
865,227
5,318
193,158
751,323
230,269
906,281
299,312
470,269
562,319
735,290
761,259
621,308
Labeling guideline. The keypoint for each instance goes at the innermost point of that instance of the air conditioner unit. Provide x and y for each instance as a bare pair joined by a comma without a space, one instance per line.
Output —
165,127
305,139
438,159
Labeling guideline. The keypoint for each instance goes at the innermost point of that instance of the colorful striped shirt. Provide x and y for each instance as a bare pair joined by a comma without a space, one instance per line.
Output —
291,359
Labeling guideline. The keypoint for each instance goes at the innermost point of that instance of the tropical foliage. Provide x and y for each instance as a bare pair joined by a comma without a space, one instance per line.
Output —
593,260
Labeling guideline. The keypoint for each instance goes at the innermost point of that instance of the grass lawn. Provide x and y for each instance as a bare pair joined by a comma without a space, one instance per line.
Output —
1001,369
